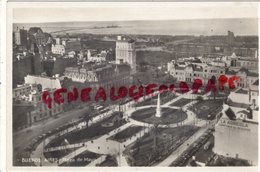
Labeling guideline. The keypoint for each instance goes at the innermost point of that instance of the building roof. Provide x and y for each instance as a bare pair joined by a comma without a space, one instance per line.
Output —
253,74
179,67
196,61
123,68
230,114
256,82
238,105
230,72
248,59
248,73
34,30
181,63
243,69
242,91
126,39
198,69
244,112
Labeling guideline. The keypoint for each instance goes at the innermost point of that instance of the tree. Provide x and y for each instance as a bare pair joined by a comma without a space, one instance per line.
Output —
199,98
213,78
88,116
143,65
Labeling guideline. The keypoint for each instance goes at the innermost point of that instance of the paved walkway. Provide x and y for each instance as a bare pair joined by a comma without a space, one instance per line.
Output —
97,161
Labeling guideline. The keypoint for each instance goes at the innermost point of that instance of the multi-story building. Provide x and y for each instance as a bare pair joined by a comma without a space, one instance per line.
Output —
21,90
230,38
36,38
248,63
39,41
17,37
218,63
29,105
20,37
192,71
58,49
245,52
254,93
97,57
100,75
44,81
245,77
126,53
41,110
236,132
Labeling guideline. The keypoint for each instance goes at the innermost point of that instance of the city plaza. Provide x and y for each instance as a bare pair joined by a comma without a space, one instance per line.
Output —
175,120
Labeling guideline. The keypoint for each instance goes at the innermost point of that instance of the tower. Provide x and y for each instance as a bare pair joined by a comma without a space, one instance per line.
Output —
125,52
89,55
158,108
17,36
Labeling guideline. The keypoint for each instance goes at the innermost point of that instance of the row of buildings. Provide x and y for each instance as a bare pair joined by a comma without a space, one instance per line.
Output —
201,68
92,74
236,130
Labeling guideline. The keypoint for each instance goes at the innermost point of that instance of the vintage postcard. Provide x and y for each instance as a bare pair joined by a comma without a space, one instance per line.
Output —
132,85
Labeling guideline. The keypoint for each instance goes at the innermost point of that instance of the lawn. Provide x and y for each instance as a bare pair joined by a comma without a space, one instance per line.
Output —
126,133
207,109
86,134
110,161
169,116
50,156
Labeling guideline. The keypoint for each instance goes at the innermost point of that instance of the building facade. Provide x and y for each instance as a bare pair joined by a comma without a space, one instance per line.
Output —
58,49
44,81
126,53
236,132
245,77
41,111
191,71
21,90
102,75
248,63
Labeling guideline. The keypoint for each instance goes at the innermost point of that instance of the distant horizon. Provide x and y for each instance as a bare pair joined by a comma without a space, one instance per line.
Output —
69,21
192,27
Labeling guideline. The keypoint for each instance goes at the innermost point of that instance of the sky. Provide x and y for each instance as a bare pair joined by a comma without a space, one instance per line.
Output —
113,11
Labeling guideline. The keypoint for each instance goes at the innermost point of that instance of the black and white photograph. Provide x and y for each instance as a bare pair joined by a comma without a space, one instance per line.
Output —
133,85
